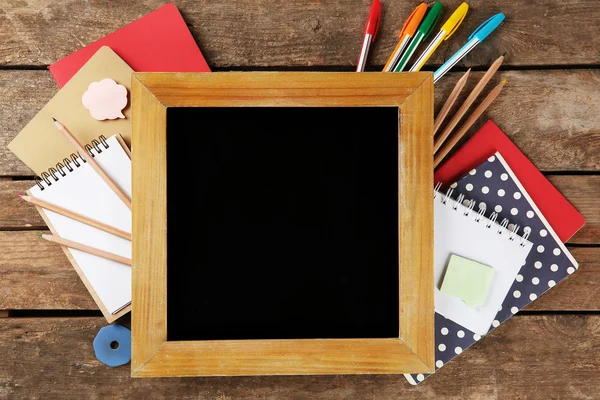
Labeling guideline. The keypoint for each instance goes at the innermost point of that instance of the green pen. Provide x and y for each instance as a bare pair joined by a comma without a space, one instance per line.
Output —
423,32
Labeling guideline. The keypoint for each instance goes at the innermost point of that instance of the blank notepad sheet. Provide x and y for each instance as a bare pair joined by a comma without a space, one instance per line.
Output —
466,233
84,192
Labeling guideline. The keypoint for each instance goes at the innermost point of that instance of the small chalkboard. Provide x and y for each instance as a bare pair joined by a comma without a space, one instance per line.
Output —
282,223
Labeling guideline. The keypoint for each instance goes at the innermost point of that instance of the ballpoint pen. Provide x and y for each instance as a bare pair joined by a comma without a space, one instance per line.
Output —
423,32
476,37
407,32
447,30
370,33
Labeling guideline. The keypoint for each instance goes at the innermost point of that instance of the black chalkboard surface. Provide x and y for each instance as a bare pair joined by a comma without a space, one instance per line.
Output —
282,223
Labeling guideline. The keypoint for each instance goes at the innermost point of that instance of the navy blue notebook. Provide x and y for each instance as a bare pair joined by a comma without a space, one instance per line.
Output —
494,187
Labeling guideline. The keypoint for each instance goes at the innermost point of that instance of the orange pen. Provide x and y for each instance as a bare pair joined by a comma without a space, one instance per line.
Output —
408,30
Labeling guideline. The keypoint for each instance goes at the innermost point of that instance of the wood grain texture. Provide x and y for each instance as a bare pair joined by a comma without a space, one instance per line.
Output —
558,127
149,226
581,190
36,275
264,33
52,358
415,209
152,355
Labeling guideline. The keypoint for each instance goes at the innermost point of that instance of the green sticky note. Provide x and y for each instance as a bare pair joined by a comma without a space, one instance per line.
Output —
468,280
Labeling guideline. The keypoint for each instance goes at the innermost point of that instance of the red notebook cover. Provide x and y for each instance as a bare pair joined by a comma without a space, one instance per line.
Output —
157,42
562,216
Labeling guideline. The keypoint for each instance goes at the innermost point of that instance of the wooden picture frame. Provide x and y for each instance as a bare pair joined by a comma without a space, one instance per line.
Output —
411,352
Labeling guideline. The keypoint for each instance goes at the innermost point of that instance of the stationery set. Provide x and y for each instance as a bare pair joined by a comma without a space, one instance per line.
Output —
499,225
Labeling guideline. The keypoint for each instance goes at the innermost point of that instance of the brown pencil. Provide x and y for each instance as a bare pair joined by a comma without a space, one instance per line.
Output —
468,102
468,123
450,102
93,163
77,217
87,249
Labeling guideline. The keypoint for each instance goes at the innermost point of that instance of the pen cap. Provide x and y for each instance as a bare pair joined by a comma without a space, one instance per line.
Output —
431,19
455,20
373,20
487,27
412,23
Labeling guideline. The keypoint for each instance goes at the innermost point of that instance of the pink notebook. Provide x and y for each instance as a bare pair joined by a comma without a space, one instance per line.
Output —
157,42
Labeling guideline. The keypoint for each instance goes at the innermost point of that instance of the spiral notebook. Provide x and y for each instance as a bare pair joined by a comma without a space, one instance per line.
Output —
492,185
74,185
460,230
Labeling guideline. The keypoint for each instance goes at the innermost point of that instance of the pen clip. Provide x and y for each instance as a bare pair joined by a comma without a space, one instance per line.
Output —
487,27
461,11
416,16
436,11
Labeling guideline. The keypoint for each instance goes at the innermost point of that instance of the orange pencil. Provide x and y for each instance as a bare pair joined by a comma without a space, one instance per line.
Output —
77,217
87,249
468,102
468,123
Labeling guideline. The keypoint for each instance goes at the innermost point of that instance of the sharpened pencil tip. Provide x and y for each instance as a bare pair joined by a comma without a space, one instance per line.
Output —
504,54
39,234
20,195
504,81
53,119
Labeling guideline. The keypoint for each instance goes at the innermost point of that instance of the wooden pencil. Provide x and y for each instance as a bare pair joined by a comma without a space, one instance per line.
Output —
468,102
468,123
93,163
450,102
87,249
77,217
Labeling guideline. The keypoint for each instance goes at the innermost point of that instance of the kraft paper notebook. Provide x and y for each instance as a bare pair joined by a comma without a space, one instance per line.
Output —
74,185
40,145
493,186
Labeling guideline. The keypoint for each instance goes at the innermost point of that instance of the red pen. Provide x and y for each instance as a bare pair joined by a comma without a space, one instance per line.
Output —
370,33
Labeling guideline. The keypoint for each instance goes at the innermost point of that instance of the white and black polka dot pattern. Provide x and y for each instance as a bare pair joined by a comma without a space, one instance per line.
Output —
548,263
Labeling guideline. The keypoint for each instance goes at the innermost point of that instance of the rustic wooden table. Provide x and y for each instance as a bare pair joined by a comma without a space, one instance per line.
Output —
549,108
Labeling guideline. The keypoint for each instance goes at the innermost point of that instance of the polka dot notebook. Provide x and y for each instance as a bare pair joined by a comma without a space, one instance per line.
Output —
493,186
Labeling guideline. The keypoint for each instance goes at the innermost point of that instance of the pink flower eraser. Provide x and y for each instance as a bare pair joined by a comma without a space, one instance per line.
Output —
105,99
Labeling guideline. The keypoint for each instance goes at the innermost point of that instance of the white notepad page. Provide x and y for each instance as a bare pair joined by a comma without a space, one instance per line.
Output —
84,192
456,233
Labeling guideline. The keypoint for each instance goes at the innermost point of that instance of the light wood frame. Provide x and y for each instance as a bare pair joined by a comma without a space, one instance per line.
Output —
411,352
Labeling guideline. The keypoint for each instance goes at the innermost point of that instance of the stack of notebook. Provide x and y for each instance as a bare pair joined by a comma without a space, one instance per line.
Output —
159,41
489,183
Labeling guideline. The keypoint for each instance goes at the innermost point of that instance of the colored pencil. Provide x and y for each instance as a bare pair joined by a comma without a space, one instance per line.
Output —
93,163
77,217
450,102
468,102
87,249
468,123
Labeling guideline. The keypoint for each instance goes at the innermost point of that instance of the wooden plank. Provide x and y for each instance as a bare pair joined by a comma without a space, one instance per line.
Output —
533,357
262,33
36,275
16,213
581,190
549,115
555,124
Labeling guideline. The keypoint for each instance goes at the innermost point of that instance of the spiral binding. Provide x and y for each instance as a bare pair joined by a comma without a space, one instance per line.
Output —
490,221
70,163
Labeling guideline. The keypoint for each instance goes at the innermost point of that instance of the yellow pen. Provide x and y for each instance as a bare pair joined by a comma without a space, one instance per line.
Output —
447,30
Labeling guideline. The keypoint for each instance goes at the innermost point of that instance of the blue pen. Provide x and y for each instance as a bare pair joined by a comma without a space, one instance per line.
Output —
476,37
